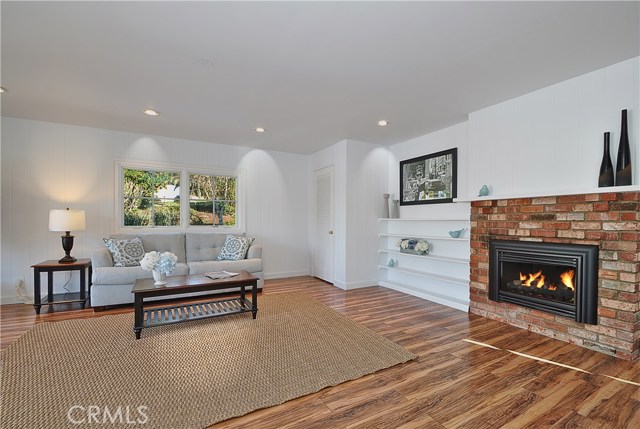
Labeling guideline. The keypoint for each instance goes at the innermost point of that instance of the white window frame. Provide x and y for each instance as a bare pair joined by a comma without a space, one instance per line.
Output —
184,170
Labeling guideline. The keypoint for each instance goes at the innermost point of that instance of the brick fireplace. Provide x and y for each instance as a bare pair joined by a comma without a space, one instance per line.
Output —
610,221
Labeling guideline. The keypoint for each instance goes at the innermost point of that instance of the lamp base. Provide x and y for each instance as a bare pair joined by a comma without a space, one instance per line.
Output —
67,245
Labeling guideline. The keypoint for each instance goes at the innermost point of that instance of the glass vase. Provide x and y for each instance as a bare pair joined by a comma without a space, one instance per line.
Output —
606,167
623,164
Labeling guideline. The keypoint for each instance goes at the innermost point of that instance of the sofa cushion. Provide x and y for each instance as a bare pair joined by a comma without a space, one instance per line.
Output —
204,246
125,253
126,275
173,243
234,248
251,265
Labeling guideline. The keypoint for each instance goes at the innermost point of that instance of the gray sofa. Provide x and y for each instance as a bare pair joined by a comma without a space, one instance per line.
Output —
196,252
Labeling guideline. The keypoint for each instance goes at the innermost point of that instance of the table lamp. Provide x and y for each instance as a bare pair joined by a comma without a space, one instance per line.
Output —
67,221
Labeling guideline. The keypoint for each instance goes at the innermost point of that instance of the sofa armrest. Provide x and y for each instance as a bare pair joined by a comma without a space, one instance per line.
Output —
101,258
255,251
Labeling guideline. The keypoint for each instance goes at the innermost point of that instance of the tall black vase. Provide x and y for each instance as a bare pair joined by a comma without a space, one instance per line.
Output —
606,167
623,164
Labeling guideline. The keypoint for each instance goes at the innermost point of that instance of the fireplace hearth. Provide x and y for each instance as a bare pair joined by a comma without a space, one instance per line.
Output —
556,278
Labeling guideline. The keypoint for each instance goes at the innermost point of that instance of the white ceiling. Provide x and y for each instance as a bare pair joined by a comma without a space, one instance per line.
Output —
311,73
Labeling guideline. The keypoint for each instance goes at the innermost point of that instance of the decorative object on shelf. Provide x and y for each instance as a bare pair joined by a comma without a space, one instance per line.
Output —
160,265
395,211
484,191
391,264
385,206
429,179
456,233
67,221
623,164
160,278
606,167
414,246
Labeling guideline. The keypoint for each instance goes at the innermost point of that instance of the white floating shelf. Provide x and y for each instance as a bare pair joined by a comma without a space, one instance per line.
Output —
386,219
436,257
629,188
457,280
425,237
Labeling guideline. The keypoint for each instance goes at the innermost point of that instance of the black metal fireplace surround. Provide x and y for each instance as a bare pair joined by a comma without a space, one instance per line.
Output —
556,278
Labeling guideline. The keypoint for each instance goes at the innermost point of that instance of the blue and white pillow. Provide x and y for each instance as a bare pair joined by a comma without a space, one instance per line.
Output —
234,248
125,253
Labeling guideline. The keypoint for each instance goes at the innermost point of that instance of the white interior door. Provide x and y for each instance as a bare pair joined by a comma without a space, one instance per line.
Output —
323,255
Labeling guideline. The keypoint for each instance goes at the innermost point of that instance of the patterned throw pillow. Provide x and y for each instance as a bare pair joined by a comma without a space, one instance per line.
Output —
234,248
125,253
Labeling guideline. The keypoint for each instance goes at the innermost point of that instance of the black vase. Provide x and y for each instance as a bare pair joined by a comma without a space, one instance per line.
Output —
606,167
623,164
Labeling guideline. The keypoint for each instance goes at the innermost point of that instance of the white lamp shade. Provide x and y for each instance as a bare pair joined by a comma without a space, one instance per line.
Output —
66,220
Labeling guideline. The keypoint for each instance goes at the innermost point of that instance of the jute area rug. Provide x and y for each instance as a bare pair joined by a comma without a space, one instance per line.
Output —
84,373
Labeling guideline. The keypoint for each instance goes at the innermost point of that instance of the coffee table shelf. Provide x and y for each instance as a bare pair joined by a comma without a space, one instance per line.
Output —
179,287
193,311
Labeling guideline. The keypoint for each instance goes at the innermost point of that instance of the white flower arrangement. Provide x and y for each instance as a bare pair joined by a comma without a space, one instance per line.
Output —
413,245
164,263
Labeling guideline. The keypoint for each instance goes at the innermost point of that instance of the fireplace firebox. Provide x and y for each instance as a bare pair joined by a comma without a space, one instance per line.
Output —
556,278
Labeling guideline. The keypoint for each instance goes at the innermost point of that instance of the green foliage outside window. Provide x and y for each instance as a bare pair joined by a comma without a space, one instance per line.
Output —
151,198
212,200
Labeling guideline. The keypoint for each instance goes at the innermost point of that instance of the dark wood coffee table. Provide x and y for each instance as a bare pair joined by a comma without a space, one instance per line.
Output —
178,285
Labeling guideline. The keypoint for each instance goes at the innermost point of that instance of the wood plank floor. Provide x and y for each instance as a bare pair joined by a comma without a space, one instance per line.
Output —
471,372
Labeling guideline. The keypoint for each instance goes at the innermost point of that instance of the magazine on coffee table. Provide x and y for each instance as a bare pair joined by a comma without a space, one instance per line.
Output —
220,274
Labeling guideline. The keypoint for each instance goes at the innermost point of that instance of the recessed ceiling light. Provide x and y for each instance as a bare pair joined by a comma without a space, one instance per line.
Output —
3,89
383,123
260,130
151,112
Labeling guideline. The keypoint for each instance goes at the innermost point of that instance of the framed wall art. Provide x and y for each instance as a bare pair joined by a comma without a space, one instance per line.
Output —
429,179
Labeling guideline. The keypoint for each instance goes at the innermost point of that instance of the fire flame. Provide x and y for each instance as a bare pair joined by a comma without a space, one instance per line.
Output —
532,277
567,279
538,279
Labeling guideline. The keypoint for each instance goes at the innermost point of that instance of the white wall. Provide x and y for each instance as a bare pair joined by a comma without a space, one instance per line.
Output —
550,141
336,156
414,275
47,165
360,177
452,137
367,179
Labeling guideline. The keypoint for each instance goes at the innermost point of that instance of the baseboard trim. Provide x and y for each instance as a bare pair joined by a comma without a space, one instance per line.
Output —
10,300
355,285
285,274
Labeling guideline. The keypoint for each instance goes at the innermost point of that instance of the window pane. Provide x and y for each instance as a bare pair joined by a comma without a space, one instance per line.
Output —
151,198
201,212
225,188
137,212
201,187
166,212
228,211
166,185
137,183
